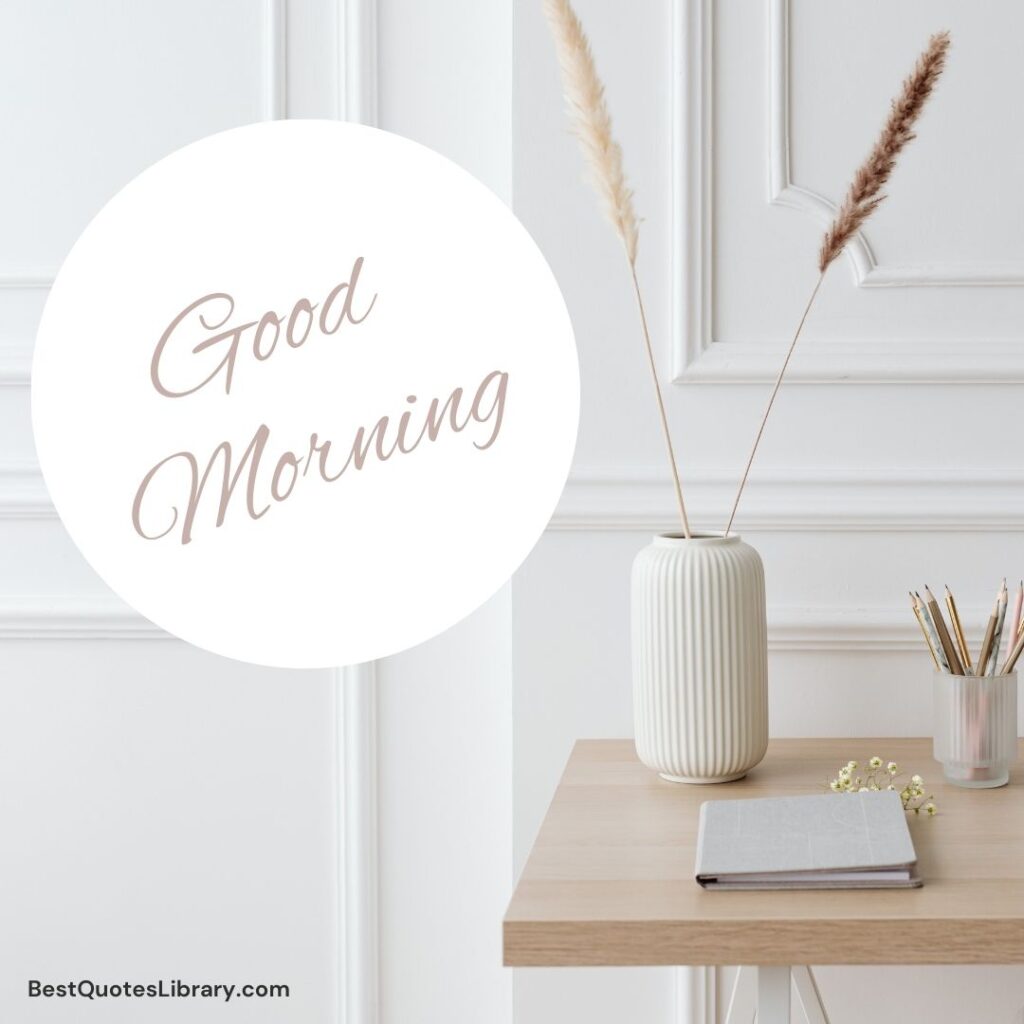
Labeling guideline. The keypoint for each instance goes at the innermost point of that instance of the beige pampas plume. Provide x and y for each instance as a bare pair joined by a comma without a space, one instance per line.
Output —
863,197
865,192
584,96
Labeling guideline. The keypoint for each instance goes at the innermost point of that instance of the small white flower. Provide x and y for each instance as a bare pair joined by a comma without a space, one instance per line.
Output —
845,771
916,780
835,786
852,765
891,788
875,762
892,767
929,808
863,789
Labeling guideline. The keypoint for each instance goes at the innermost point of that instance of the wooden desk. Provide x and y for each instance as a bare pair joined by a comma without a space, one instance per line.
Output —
610,878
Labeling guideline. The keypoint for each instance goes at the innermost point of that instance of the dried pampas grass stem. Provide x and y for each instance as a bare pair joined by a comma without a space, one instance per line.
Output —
865,192
863,196
584,95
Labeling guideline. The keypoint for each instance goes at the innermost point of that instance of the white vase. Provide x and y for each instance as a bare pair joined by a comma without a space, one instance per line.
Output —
700,658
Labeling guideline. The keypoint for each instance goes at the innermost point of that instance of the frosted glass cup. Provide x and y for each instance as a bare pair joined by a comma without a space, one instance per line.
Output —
975,724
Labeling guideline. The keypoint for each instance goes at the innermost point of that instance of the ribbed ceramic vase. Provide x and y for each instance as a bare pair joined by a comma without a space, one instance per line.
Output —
700,658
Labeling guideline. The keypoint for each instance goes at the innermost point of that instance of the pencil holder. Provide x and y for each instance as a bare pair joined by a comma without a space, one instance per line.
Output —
975,725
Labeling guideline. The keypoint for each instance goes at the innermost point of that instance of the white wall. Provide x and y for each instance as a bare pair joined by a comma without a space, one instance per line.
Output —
165,813
445,707
877,472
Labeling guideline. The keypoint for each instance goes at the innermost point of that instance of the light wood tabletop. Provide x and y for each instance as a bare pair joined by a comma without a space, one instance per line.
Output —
610,878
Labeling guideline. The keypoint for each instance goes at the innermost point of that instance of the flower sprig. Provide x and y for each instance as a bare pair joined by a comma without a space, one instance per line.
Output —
877,776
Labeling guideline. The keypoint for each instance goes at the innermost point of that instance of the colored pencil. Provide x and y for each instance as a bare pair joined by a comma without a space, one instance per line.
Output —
1011,658
933,637
932,645
1000,616
990,632
952,659
958,632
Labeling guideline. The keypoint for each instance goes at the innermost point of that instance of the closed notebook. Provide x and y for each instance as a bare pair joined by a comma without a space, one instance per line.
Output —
832,841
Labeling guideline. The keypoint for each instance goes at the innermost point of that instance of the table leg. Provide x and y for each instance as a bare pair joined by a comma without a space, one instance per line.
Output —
773,995
763,994
808,996
743,1001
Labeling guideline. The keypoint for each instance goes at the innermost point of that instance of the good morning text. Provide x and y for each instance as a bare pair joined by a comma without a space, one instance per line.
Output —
257,473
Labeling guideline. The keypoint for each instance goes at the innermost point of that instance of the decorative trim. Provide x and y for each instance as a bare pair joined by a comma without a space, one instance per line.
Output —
23,493
690,257
695,995
46,617
275,56
838,629
854,362
696,356
782,191
15,363
901,502
968,502
358,914
356,688
27,280
73,618
357,61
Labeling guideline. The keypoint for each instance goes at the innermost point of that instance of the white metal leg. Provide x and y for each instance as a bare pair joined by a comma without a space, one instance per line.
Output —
743,1001
764,994
808,996
773,992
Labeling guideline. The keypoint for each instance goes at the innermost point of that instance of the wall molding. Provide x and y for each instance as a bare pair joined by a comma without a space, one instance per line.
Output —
695,997
810,501
27,280
690,256
813,500
23,493
783,191
358,997
696,356
82,617
275,58
357,61
15,363
356,686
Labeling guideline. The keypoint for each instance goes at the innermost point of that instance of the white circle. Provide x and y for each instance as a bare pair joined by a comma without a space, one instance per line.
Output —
421,283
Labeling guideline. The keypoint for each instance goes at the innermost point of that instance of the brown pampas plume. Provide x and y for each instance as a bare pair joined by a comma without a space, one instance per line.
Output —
865,192
863,197
584,95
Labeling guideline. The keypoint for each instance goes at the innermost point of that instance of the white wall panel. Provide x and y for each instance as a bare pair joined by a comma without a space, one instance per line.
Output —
167,813
446,706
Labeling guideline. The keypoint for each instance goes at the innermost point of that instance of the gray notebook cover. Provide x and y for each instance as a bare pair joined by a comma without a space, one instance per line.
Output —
844,840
